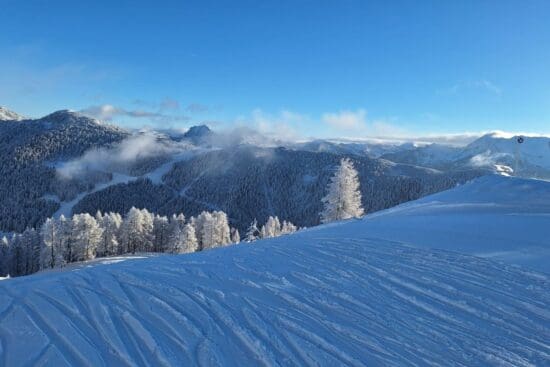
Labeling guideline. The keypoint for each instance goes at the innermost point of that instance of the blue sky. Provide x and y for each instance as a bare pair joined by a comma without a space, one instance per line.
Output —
308,68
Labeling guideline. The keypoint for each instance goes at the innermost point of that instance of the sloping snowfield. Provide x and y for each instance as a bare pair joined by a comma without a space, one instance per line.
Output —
503,218
333,295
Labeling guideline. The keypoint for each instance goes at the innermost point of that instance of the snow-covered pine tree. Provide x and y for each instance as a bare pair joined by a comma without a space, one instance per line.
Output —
288,228
177,241
32,242
272,228
222,232
343,199
161,233
136,231
147,220
175,229
52,251
67,239
189,238
87,236
235,236
109,244
17,257
252,233
4,256
207,223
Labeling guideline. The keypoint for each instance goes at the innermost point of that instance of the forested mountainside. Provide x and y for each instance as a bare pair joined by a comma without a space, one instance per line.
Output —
249,182
244,180
28,151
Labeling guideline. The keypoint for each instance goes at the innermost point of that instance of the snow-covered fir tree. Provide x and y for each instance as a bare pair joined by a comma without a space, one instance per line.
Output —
272,228
17,257
343,199
87,235
222,229
83,237
212,229
252,233
32,242
161,233
288,227
235,235
52,251
175,230
136,231
4,256
189,238
67,238
109,244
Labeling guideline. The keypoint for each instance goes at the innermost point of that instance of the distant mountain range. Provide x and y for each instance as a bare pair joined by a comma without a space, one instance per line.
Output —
523,156
67,162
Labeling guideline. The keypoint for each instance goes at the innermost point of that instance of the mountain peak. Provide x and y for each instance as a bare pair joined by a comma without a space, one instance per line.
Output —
8,115
67,116
198,133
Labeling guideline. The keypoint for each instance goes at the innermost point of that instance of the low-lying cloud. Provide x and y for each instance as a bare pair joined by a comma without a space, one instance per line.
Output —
489,159
117,158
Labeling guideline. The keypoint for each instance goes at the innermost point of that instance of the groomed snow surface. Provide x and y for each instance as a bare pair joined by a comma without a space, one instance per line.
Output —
334,295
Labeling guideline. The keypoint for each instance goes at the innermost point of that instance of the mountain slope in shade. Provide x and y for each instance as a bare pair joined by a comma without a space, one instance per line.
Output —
27,149
333,295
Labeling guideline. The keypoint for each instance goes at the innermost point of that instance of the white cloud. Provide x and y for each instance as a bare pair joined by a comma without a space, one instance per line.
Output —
118,157
283,125
108,112
480,84
347,120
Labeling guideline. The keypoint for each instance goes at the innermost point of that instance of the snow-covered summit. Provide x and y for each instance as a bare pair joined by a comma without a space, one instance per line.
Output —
7,115
68,117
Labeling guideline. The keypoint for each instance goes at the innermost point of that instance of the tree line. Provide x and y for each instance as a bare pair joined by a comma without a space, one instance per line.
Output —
59,242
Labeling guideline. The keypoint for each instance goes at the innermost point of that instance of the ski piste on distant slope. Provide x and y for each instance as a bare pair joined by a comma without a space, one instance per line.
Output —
336,294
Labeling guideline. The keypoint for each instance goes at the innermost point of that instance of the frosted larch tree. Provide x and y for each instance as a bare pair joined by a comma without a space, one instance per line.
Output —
235,235
52,252
272,228
190,238
343,199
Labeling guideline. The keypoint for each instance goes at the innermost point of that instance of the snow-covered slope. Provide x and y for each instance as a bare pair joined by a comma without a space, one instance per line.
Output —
7,115
499,152
332,295
493,216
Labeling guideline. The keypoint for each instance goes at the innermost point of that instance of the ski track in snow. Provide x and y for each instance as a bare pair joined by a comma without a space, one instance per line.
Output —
66,207
313,298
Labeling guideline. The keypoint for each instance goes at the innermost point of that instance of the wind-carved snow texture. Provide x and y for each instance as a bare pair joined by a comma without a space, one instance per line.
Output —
327,296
